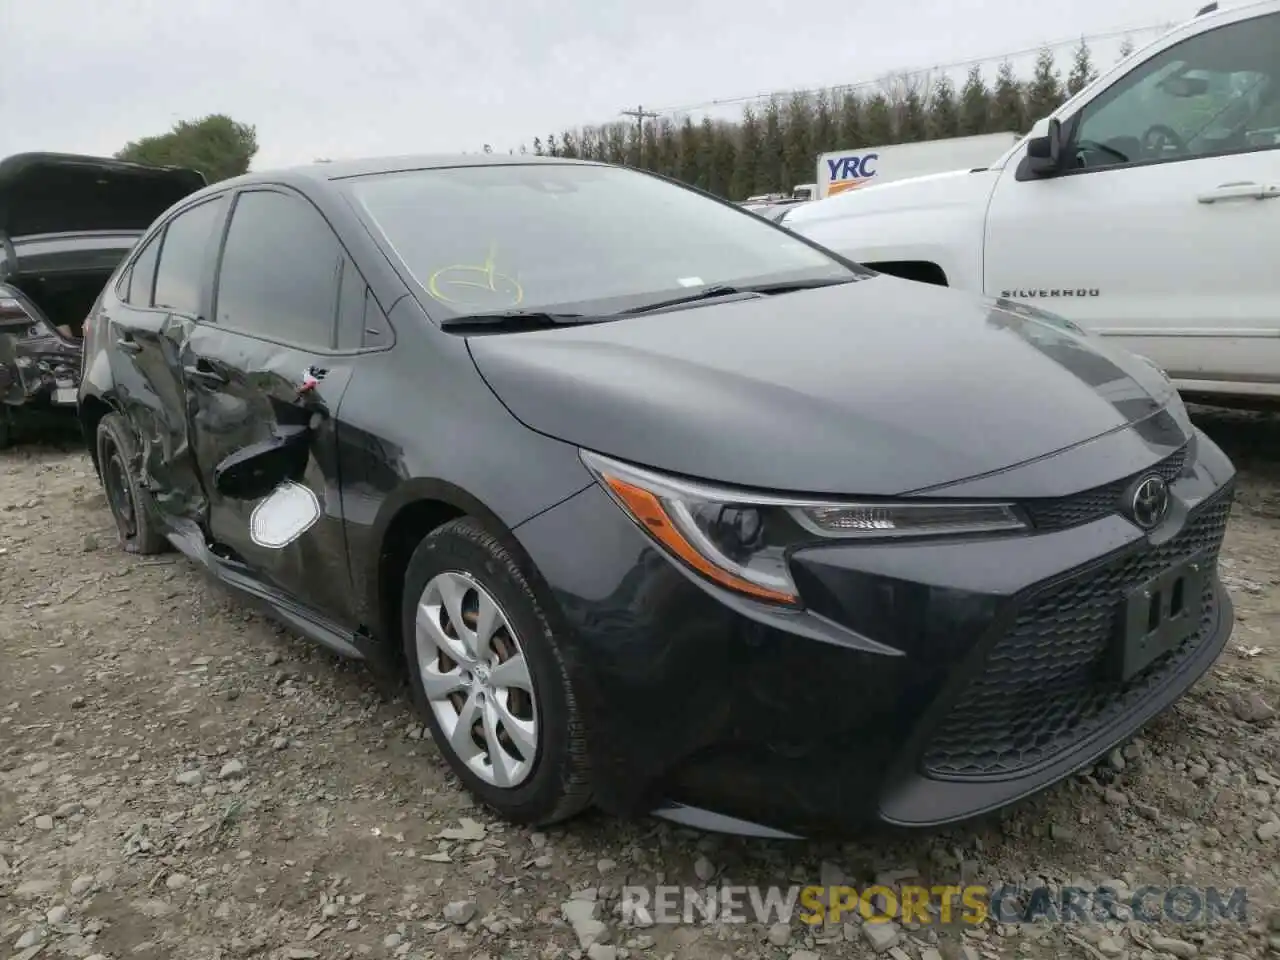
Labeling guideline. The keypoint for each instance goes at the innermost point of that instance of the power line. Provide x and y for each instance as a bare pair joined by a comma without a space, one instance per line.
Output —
977,61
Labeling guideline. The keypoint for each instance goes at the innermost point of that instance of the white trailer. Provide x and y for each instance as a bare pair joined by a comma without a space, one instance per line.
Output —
845,170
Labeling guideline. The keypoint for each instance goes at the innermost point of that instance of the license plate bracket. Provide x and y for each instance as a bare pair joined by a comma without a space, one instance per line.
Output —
1159,615
65,396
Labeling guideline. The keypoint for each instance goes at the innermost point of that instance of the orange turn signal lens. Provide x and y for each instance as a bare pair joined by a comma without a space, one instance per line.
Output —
648,511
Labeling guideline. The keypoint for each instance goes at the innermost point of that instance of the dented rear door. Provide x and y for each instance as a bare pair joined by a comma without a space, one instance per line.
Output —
160,298
268,365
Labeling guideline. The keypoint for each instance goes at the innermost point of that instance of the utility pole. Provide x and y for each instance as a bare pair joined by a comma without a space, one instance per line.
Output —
641,115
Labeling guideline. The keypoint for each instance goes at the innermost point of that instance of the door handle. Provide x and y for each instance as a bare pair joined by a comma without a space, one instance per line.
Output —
1241,190
204,370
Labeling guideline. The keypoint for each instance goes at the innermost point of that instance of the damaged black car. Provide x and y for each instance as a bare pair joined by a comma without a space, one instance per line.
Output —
66,222
655,505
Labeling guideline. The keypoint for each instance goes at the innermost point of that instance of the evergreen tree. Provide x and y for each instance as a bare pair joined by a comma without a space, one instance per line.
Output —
1082,71
649,158
706,160
797,153
1126,48
851,134
668,148
824,124
568,145
1044,93
724,159
975,104
943,114
912,122
688,154
553,149
537,147
745,169
1008,110
879,122
769,167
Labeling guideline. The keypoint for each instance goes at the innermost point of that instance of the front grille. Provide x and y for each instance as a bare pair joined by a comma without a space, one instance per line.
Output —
1059,513
1043,687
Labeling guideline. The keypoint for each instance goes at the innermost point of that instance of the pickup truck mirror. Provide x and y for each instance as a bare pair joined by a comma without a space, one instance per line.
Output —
1044,153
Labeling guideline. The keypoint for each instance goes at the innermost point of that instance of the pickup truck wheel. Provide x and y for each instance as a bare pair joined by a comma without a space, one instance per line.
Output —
131,505
488,676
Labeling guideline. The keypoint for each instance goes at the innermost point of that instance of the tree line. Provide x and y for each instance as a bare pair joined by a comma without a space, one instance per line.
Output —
770,149
775,146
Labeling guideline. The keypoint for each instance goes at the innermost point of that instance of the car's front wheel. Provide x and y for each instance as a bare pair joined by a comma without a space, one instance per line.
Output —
488,675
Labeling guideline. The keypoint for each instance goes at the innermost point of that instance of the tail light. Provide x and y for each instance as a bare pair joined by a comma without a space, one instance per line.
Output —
12,313
86,345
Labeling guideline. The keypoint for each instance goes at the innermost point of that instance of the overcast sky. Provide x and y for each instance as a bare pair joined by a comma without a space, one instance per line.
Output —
344,78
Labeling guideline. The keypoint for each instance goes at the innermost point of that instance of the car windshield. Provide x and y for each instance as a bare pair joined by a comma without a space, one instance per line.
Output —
574,238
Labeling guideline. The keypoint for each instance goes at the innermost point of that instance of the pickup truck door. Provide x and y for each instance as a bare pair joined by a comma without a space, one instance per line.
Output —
1161,232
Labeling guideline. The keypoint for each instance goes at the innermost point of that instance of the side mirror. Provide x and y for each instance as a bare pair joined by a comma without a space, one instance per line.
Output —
1044,153
255,471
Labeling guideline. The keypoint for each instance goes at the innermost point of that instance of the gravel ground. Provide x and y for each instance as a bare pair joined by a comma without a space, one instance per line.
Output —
180,777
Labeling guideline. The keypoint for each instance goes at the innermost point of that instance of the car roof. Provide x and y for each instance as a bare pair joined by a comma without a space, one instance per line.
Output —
343,169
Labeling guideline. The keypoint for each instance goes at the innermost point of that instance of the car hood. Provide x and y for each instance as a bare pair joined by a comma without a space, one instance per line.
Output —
64,193
934,191
877,387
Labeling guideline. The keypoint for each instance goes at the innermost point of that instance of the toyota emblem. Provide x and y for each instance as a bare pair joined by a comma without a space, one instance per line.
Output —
1150,502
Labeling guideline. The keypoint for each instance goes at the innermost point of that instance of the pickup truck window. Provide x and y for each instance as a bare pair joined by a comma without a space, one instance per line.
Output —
1214,93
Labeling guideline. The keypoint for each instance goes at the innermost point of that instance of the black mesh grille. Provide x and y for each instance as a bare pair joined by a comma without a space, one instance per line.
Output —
1044,686
1081,508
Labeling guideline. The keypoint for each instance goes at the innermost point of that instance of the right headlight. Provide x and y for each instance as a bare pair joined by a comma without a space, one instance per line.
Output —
742,540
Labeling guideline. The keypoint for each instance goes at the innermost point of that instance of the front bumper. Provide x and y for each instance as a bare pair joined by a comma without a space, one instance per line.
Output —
926,683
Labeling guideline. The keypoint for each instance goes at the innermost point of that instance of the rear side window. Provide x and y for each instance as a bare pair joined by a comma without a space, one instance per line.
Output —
281,271
184,257
142,275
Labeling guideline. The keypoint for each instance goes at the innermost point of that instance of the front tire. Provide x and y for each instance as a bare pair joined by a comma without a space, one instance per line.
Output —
488,676
131,504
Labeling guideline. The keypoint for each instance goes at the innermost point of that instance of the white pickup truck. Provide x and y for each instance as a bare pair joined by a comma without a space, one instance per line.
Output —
1147,208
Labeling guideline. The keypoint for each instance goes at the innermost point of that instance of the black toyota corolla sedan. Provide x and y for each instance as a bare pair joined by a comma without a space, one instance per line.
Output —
655,505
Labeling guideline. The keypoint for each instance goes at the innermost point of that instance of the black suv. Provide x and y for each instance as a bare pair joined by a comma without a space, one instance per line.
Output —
655,504
66,222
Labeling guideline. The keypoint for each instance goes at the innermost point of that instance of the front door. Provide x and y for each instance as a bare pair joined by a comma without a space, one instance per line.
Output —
270,368
1163,235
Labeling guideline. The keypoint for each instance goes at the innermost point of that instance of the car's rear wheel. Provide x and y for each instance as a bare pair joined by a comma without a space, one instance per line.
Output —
130,503
488,675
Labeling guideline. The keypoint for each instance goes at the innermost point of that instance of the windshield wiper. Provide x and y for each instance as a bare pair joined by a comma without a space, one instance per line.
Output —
728,290
517,319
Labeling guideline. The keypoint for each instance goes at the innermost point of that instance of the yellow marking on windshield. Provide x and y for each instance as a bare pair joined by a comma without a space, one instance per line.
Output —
479,277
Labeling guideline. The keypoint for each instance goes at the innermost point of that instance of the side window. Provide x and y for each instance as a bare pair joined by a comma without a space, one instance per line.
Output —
1212,94
280,271
141,281
184,257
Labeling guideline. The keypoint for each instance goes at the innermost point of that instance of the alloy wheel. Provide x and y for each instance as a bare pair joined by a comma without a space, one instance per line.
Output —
476,679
